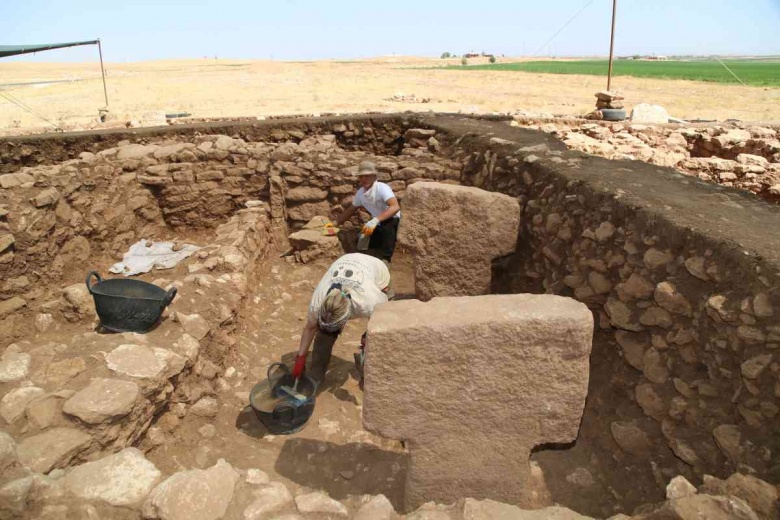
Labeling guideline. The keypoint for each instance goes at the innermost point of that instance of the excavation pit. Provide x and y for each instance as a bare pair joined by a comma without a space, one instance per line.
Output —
680,276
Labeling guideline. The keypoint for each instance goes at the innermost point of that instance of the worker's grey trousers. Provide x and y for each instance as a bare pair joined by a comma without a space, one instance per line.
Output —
320,355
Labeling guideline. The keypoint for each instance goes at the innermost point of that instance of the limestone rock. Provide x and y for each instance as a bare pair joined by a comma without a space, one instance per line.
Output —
763,306
655,258
79,302
638,287
728,439
135,361
376,508
653,366
306,194
256,476
102,399
647,114
205,407
620,315
542,390
679,487
454,233
306,211
13,497
46,197
197,493
269,498
633,348
44,412
7,451
188,347
755,366
11,305
134,151
698,507
318,502
194,325
6,241
761,496
43,322
650,401
667,296
123,479
491,510
14,364
630,437
51,449
14,402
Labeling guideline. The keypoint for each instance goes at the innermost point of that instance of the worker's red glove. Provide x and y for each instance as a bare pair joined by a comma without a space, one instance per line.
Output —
300,366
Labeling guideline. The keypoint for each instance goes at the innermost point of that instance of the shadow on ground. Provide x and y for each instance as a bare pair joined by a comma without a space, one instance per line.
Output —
342,470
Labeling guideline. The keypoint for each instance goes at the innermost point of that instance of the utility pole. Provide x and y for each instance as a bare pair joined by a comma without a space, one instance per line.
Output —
611,44
103,71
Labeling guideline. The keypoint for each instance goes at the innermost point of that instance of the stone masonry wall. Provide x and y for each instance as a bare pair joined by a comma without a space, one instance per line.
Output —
55,217
683,275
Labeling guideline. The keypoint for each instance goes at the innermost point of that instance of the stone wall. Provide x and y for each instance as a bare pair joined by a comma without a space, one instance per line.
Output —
682,277
56,217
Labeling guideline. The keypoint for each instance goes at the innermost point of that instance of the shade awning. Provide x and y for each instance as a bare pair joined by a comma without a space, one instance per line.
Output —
13,50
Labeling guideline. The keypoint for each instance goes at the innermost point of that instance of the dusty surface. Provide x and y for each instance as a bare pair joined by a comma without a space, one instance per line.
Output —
222,88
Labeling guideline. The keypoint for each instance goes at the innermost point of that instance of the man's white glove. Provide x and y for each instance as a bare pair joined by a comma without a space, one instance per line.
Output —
369,227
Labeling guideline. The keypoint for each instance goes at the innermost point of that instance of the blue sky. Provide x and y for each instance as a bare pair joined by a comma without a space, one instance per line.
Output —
341,29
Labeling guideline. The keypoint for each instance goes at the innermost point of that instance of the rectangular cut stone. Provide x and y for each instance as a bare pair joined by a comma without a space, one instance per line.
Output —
472,384
454,233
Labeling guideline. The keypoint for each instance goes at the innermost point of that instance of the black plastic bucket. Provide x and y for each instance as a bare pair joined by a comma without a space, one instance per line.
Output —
285,416
125,305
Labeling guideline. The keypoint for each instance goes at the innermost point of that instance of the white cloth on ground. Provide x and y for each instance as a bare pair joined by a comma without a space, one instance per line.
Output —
362,276
375,199
144,256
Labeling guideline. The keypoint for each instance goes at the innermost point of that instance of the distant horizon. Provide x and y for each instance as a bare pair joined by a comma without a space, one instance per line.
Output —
17,59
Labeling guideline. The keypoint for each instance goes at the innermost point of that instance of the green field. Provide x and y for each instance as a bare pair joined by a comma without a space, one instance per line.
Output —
752,72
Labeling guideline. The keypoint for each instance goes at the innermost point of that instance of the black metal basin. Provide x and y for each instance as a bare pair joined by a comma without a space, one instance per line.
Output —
279,412
125,305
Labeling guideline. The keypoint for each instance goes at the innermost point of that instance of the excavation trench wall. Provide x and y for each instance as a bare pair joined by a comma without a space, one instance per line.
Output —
682,276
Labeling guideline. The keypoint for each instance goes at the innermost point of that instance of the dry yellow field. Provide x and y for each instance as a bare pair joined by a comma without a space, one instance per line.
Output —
234,88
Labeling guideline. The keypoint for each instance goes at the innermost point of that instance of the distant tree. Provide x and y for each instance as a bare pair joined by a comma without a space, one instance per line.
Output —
445,55
492,59
464,61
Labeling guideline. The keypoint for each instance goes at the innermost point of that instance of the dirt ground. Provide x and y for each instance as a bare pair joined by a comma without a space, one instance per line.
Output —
69,95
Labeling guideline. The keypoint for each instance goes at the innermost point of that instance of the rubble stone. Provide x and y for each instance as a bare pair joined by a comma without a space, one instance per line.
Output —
135,361
14,402
269,498
376,508
542,391
123,479
102,399
197,493
321,503
438,218
51,449
14,364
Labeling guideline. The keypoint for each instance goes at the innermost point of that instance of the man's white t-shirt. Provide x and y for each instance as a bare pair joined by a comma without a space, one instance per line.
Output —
376,200
362,276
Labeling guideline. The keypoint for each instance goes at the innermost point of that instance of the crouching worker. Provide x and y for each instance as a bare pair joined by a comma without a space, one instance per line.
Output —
351,288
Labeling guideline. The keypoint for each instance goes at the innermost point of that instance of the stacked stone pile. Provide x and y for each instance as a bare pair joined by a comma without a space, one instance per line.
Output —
745,158
609,99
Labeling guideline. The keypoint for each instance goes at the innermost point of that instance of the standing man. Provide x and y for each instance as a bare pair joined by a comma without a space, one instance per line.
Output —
379,200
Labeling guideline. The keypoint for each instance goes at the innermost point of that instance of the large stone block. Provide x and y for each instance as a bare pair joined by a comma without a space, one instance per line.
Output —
472,384
454,233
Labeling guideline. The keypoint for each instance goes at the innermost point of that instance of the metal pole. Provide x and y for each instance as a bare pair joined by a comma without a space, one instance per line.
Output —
611,44
103,71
